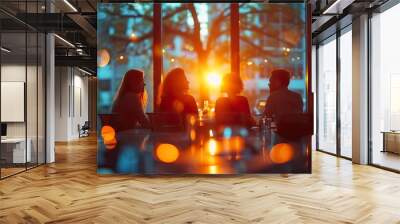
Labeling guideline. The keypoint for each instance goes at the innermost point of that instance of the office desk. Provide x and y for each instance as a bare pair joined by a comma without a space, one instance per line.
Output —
13,150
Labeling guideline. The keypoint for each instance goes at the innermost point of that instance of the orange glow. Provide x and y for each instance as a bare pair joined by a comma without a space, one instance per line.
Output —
192,135
111,144
238,143
212,147
249,63
192,120
103,58
281,153
121,57
172,59
211,133
213,169
167,153
178,106
108,133
214,79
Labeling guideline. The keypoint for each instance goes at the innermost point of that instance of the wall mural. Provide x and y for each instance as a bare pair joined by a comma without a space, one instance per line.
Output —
203,88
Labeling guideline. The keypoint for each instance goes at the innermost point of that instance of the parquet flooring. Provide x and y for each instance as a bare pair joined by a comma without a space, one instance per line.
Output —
70,191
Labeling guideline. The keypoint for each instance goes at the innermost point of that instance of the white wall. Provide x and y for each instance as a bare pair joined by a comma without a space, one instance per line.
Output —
71,94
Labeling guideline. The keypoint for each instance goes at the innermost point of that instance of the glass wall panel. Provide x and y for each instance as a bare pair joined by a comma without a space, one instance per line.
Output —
271,37
327,96
385,89
22,88
14,151
196,37
41,86
32,97
346,94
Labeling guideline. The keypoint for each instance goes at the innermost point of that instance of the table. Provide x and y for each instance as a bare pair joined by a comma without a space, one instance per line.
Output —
202,150
13,150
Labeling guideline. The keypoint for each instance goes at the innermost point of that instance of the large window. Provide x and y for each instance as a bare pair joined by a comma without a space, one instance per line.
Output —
196,37
385,89
346,93
327,74
271,36
126,43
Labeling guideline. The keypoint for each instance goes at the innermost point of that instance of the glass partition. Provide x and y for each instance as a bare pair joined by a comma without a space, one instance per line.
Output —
326,102
14,142
346,93
385,89
22,89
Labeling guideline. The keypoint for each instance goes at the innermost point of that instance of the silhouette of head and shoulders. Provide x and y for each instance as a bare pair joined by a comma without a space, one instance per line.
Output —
130,101
233,107
175,95
282,100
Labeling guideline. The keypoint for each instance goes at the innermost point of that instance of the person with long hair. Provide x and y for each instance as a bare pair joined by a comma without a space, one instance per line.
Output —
174,94
233,108
130,102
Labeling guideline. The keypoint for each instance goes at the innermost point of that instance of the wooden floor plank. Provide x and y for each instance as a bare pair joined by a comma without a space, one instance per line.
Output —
70,191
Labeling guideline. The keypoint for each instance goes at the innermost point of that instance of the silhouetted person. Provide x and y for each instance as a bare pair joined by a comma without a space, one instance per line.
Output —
130,102
233,104
174,94
282,101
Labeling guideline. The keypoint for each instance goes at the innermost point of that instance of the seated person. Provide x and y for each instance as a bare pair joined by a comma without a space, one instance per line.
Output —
233,108
130,102
281,100
174,94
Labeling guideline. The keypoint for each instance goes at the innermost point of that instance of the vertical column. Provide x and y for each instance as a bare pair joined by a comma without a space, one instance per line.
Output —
235,39
360,90
50,92
338,76
157,52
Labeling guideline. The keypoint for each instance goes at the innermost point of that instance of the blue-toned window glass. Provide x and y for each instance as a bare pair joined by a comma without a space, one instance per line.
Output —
126,43
272,36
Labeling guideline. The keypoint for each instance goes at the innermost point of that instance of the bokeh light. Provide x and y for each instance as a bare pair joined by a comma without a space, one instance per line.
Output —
192,135
167,153
281,153
213,169
103,58
108,133
212,147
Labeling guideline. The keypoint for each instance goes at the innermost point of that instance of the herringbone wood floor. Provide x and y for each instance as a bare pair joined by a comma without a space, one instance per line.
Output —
70,191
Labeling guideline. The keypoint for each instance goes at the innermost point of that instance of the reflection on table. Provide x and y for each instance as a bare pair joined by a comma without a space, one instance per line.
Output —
202,148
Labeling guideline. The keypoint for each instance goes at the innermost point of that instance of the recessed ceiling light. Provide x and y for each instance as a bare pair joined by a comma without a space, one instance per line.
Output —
70,5
5,50
64,40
